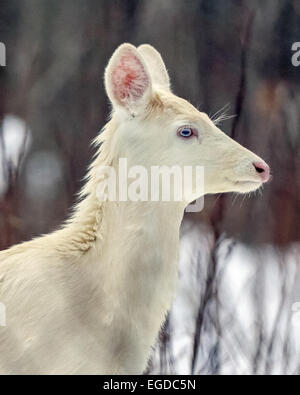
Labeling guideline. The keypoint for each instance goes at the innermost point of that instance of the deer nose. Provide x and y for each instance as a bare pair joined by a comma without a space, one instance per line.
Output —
263,170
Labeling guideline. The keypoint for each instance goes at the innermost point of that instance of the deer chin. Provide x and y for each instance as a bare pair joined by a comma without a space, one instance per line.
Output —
244,186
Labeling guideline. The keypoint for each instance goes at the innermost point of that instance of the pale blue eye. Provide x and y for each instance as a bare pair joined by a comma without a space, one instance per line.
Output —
186,132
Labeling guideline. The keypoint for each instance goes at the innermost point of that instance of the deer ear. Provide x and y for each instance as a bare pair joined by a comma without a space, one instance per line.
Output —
127,79
156,66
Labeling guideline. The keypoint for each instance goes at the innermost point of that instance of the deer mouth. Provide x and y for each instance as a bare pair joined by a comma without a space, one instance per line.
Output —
246,182
245,185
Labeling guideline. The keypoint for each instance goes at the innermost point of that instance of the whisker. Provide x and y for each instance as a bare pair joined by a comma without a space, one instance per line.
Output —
221,115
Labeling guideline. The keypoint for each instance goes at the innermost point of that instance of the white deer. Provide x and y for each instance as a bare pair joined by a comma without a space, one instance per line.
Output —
91,297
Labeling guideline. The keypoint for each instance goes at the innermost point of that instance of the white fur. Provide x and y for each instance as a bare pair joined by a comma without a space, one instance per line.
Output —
92,296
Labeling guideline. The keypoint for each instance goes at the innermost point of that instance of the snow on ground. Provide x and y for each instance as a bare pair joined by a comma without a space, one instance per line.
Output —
251,322
15,139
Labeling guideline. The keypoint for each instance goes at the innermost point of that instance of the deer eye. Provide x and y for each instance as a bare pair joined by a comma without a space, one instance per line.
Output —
186,132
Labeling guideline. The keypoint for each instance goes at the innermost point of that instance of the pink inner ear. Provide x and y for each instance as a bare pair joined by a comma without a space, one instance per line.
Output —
129,78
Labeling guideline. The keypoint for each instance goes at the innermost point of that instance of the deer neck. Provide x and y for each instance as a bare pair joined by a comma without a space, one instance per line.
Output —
139,254
144,230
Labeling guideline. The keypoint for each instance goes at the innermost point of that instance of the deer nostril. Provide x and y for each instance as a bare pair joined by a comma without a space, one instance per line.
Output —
263,169
259,169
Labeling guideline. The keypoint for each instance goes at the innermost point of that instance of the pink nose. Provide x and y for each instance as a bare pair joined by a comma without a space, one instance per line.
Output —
263,170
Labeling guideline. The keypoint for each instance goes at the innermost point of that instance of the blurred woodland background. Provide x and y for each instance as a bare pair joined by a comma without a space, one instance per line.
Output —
236,310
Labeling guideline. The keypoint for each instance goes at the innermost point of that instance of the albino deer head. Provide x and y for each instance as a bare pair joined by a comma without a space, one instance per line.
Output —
156,127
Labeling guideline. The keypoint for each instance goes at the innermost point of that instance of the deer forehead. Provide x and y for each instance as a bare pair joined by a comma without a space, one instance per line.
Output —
165,105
